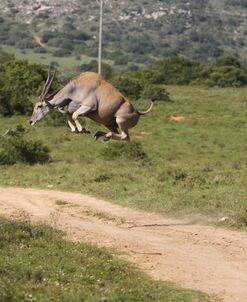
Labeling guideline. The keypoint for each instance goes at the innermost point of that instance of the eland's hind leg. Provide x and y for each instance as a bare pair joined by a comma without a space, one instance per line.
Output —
98,134
123,125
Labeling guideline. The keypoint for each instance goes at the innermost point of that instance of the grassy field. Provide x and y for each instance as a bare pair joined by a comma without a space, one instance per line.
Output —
193,167
36,264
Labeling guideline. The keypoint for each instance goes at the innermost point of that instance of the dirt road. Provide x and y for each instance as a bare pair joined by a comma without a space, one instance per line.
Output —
194,256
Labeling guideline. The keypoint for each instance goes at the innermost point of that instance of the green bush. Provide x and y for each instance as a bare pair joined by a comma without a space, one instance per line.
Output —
31,151
226,76
225,71
129,86
134,87
123,60
55,118
177,70
40,50
7,153
226,61
5,105
62,53
19,80
16,34
131,151
14,147
93,66
68,41
155,93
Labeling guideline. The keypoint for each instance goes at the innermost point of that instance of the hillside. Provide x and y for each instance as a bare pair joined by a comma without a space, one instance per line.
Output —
136,30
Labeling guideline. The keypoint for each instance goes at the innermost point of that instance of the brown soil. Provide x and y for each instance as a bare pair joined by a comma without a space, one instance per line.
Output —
177,118
194,256
38,41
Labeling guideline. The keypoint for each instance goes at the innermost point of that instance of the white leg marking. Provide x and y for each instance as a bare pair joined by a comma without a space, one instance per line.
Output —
78,125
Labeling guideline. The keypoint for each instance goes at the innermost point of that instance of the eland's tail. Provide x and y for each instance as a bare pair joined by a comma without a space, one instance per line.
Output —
147,111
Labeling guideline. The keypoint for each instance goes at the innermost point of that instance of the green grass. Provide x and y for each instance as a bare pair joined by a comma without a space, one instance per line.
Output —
36,264
194,167
69,62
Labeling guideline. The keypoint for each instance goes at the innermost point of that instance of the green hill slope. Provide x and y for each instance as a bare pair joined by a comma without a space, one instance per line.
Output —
136,30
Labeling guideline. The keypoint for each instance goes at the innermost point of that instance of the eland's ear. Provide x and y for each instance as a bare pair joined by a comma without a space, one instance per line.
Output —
49,104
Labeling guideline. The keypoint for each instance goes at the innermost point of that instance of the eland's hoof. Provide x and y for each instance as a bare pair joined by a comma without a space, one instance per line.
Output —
108,136
98,134
85,130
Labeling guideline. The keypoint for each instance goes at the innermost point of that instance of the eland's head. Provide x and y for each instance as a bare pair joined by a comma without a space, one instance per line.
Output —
43,106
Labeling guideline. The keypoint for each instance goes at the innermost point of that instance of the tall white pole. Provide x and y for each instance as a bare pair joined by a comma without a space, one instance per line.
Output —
100,35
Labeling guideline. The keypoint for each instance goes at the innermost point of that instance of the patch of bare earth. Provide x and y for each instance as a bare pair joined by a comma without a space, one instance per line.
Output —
194,256
141,135
177,118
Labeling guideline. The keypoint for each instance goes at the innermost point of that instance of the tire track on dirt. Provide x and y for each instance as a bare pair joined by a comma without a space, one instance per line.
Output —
194,256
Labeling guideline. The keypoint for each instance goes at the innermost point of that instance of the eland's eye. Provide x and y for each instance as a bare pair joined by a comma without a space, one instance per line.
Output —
40,106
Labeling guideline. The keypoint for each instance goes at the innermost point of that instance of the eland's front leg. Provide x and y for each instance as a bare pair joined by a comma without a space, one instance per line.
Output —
83,110
70,122
78,128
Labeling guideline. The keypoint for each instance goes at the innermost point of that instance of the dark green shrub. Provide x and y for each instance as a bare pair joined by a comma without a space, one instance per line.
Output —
47,35
173,175
7,154
103,177
19,80
227,76
240,3
55,118
14,147
62,53
129,86
25,43
155,93
40,50
5,57
93,66
31,151
5,105
177,70
54,64
226,61
121,61
16,34
152,76
225,71
131,151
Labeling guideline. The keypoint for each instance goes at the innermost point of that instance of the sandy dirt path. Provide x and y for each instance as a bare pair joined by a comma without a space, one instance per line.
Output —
194,256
